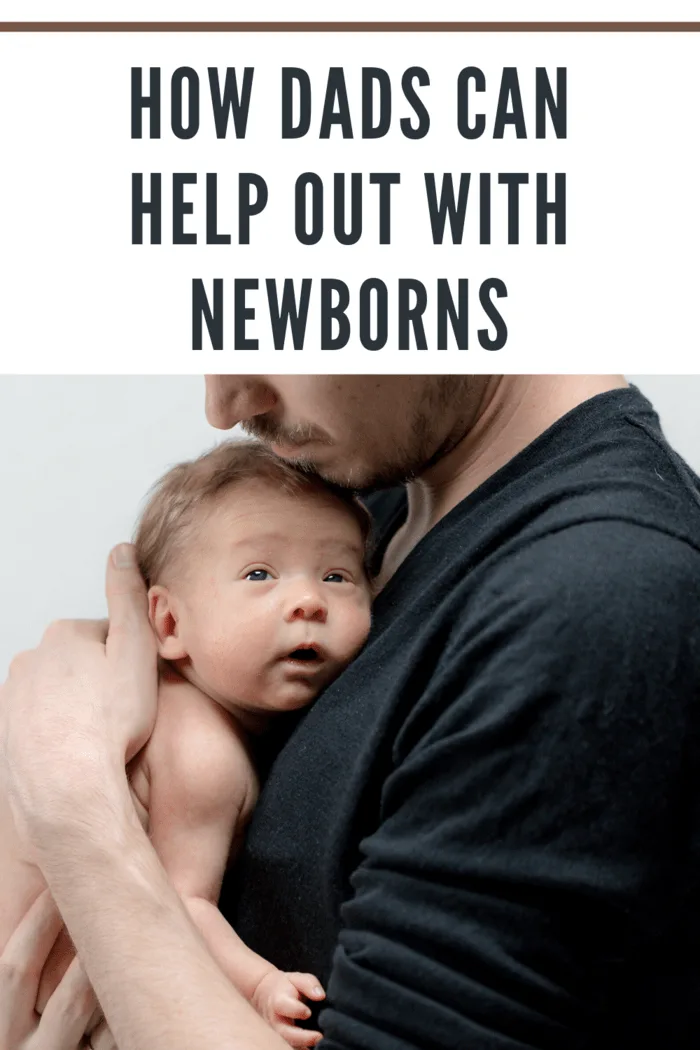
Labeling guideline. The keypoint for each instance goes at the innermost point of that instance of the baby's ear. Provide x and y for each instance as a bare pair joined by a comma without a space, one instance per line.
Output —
164,621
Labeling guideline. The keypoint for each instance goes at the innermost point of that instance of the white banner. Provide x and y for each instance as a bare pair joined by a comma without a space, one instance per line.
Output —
349,202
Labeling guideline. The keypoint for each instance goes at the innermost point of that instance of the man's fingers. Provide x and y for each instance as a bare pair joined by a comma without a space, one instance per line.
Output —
20,663
69,1010
60,631
29,946
96,1022
101,1038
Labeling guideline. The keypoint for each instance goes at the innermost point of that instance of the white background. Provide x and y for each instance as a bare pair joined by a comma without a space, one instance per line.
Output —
620,296
79,455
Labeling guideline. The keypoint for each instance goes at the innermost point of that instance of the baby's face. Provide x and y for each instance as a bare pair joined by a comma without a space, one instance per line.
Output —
274,602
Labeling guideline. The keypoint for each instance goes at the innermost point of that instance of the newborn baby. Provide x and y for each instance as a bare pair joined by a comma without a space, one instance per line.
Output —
258,597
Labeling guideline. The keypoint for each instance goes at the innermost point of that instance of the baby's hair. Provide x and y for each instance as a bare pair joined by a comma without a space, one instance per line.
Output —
180,496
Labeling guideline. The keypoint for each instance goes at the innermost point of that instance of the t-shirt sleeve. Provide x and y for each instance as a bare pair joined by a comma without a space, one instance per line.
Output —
539,829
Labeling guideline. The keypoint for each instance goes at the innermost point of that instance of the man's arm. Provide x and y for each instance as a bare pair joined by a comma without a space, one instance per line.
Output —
159,987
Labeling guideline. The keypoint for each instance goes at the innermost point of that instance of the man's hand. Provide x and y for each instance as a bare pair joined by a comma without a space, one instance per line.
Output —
101,1038
278,998
76,709
69,1010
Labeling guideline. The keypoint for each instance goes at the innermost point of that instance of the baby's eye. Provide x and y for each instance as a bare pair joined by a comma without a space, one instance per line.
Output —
258,575
334,577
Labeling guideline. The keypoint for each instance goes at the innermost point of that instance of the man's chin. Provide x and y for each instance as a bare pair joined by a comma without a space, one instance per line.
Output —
316,459
306,458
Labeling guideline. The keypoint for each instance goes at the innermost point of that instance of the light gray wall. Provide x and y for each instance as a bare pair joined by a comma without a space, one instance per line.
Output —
79,453
677,400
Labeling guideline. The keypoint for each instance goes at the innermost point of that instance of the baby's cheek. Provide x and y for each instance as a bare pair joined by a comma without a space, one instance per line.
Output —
358,627
219,659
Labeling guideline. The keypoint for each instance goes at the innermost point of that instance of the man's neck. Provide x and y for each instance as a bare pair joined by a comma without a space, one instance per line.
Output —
512,412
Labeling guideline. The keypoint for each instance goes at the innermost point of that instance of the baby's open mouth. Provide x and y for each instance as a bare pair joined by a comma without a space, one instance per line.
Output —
305,654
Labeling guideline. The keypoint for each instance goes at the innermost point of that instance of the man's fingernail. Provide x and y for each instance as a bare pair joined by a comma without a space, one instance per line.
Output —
123,556
318,990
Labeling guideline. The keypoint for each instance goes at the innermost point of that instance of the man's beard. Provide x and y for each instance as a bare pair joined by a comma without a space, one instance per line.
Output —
264,428
420,447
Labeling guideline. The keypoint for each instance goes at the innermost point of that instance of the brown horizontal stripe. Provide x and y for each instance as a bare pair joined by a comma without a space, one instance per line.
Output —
349,27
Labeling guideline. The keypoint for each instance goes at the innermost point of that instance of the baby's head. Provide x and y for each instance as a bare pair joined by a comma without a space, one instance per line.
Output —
258,591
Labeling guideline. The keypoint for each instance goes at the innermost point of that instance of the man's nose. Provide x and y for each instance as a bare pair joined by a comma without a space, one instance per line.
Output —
307,605
233,399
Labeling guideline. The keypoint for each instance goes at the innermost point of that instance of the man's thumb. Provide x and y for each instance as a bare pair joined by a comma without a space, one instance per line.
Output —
131,646
127,603
123,556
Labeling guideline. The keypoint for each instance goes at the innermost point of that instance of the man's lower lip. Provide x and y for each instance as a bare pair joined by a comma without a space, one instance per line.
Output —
288,451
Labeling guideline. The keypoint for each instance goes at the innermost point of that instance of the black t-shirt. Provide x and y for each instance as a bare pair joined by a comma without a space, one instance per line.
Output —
486,833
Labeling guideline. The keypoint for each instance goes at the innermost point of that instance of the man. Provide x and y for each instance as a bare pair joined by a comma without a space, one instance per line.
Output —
486,833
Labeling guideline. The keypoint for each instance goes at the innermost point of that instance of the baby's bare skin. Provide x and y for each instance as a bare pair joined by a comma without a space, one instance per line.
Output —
269,608
195,787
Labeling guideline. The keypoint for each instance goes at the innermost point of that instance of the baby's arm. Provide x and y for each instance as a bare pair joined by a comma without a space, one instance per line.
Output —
202,790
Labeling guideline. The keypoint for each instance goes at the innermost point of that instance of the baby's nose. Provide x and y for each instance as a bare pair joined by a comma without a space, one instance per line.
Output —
308,605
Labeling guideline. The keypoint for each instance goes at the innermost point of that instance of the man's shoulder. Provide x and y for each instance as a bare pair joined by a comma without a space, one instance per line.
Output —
598,611
601,582
620,506
593,559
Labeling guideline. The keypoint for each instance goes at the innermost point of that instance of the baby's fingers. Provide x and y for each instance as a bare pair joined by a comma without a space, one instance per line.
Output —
294,1008
298,1037
308,985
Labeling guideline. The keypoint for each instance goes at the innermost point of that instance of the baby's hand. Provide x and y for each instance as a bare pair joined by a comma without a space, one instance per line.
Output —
278,999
